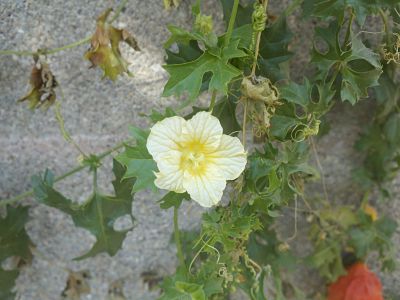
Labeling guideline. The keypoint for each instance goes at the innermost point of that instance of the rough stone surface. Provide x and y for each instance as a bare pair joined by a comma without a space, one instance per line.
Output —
97,113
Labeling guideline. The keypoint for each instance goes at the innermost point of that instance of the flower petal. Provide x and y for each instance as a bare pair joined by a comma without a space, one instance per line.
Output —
206,129
165,136
229,158
170,177
205,189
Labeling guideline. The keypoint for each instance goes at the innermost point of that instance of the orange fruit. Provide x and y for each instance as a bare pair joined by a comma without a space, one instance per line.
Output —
358,284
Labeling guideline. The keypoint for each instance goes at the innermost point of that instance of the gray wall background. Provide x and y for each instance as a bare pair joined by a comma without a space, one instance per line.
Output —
97,113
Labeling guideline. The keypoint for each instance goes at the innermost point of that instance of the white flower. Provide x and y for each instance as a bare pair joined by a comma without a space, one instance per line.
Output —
195,156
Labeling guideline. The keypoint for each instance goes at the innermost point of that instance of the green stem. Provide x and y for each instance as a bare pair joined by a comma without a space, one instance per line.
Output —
61,124
231,22
386,26
257,50
118,10
244,124
348,32
19,53
335,74
44,51
65,175
212,103
69,46
178,239
95,179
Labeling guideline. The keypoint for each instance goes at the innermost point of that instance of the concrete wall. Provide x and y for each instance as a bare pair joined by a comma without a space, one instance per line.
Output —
97,113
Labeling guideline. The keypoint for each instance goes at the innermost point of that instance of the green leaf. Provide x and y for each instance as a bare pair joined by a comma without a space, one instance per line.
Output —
386,226
361,240
298,116
186,52
387,94
324,9
195,291
98,214
313,98
14,242
336,8
139,134
327,259
7,281
274,44
380,140
201,286
273,50
263,247
225,111
358,66
371,236
342,215
269,175
243,15
156,116
391,128
188,77
138,162
172,199
182,36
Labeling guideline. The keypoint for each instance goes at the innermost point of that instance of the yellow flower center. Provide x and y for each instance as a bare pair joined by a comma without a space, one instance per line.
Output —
194,157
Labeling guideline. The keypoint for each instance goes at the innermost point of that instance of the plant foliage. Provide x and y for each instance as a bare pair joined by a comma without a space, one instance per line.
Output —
245,70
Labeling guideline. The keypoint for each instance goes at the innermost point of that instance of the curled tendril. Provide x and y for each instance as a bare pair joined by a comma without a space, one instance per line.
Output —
298,134
259,19
394,54
224,273
250,264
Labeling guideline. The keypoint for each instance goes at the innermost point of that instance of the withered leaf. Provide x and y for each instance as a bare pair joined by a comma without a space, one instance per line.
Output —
168,4
43,84
77,285
115,291
104,50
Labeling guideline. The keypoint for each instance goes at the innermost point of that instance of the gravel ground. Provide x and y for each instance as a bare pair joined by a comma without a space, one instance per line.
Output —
97,113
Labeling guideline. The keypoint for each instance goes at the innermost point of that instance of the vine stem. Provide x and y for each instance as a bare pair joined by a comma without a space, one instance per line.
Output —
118,10
212,103
231,22
64,133
95,179
65,175
386,26
253,69
244,123
252,75
44,51
69,46
226,43
348,32
320,169
178,239
345,44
